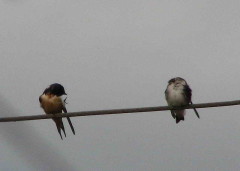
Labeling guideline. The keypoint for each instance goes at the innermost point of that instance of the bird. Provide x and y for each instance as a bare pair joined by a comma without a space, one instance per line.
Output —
52,102
178,93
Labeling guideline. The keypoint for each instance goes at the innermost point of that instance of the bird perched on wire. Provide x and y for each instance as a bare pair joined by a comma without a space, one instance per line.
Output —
52,103
178,93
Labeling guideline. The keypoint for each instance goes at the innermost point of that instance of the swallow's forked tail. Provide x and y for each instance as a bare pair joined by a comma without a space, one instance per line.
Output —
60,126
179,115
71,125
69,120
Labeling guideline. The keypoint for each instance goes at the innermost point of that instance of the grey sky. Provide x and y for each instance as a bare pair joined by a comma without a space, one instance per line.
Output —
120,54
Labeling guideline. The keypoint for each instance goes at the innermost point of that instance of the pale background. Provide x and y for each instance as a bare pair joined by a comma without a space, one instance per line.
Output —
120,54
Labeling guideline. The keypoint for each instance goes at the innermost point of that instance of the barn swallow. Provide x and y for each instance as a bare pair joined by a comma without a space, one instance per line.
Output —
52,103
178,93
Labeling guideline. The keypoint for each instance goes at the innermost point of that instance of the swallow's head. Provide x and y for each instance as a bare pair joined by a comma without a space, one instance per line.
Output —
176,81
55,89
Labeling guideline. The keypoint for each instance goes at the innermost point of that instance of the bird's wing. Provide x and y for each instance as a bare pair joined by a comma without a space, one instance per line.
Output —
166,94
187,93
40,99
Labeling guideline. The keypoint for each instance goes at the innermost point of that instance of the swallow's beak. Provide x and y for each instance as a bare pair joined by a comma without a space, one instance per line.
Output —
65,93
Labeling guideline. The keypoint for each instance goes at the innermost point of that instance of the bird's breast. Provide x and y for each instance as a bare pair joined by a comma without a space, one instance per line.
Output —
51,104
176,96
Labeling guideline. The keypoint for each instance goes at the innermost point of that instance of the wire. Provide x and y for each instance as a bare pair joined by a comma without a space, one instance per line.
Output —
119,111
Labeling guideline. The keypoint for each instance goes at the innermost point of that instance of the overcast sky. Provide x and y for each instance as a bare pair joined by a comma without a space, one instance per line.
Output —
120,54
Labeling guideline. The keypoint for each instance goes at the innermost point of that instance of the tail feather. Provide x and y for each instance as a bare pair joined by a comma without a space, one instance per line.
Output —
69,120
60,126
195,110
71,125
178,119
179,115
59,131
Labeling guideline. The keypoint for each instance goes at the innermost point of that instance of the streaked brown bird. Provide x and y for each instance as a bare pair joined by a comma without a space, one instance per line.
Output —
178,93
52,103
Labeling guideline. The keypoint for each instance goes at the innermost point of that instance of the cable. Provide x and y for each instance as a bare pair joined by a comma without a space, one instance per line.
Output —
119,111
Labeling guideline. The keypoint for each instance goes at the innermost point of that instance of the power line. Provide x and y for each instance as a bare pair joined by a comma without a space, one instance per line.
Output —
119,111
